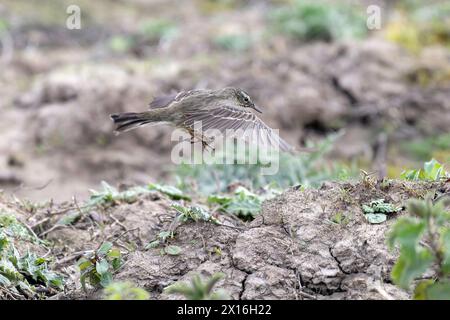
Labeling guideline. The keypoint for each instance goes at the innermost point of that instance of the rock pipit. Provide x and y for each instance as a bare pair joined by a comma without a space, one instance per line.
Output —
224,110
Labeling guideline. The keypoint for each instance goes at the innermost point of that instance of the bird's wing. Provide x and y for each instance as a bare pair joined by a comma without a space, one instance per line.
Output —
225,118
165,101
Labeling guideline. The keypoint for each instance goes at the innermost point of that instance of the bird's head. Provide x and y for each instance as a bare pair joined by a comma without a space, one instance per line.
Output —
241,98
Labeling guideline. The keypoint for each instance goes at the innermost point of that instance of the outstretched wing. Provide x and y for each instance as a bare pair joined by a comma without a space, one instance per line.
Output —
238,119
165,101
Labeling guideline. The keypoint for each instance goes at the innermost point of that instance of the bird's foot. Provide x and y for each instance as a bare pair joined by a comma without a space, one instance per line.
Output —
207,142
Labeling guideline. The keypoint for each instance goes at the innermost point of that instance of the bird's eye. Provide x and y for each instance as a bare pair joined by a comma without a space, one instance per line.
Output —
246,99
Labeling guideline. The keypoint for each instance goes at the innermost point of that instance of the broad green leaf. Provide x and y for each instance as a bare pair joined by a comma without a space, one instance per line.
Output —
152,244
84,264
116,263
375,218
380,206
406,232
163,235
106,279
104,248
433,169
180,209
102,267
173,192
172,250
114,253
125,291
219,199
410,265
439,291
414,259
420,292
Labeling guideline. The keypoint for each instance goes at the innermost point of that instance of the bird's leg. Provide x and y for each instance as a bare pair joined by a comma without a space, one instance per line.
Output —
207,142
191,138
199,136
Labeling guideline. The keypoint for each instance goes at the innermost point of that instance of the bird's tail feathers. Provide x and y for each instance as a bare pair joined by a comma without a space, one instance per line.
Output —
129,120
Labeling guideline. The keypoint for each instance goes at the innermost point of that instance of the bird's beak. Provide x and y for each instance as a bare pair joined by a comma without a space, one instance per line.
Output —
257,109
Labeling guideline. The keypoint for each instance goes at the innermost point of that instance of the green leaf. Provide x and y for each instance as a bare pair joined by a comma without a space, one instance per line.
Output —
163,235
172,250
414,259
116,263
198,289
104,248
439,291
433,169
84,263
180,209
432,290
114,253
106,279
55,280
125,291
152,244
406,232
83,277
173,192
219,199
68,219
420,292
102,267
409,266
375,218
4,281
380,206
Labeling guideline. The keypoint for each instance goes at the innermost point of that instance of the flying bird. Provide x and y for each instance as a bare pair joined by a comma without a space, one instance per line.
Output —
224,109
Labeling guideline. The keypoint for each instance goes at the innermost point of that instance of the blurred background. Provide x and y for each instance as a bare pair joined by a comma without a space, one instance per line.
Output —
380,98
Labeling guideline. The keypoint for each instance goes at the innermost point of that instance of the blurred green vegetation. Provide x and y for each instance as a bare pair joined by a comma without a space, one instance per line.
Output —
124,291
307,169
199,289
425,148
233,42
423,238
150,33
3,25
319,20
212,6
432,171
158,30
416,25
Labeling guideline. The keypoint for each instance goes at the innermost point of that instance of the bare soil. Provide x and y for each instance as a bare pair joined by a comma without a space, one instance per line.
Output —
292,250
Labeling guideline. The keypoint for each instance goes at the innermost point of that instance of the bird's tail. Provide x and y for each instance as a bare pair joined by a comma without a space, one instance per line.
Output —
130,120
